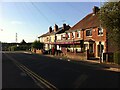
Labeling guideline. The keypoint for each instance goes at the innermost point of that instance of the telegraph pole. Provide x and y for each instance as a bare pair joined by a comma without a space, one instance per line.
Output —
16,37
100,43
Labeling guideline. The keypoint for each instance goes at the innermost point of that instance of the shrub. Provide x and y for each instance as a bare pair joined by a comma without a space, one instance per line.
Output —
117,58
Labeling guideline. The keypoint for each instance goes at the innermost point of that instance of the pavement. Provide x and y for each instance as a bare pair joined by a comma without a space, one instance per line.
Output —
93,63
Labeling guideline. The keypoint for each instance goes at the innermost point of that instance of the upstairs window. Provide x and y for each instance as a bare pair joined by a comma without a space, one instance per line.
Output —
89,32
100,31
68,35
72,35
78,34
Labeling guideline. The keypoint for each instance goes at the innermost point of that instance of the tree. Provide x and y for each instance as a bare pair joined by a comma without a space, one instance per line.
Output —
23,42
110,19
37,45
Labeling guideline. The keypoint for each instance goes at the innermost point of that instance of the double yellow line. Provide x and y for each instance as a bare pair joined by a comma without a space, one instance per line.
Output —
42,83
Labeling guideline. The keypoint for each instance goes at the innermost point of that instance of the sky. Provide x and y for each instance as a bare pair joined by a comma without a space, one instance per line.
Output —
32,19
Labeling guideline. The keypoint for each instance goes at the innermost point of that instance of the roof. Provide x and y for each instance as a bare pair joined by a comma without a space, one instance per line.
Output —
90,21
60,30
44,35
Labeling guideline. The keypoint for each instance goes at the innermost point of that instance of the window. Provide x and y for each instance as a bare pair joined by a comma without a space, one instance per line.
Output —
89,32
100,31
55,37
47,39
72,35
61,37
50,39
68,35
78,34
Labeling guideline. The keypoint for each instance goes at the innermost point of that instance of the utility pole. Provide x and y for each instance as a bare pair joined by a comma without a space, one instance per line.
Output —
73,43
100,43
16,38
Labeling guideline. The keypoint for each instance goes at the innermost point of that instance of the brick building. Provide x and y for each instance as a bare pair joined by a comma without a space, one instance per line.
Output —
85,36
51,37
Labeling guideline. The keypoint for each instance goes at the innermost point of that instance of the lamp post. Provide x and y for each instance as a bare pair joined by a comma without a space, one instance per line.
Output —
73,43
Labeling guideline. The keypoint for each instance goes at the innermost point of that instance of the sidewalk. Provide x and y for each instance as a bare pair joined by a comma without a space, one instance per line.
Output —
93,63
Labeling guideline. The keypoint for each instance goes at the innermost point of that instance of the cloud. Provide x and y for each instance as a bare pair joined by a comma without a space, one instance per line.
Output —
16,22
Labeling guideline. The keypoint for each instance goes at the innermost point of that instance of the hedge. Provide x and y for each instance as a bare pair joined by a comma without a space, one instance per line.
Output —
117,58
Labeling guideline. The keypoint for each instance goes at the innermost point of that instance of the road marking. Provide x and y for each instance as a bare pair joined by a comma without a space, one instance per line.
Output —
33,75
80,80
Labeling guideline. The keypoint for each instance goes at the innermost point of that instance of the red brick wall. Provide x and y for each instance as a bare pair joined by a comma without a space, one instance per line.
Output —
95,35
77,56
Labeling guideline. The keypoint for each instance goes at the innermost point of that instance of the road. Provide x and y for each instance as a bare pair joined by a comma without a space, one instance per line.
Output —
25,70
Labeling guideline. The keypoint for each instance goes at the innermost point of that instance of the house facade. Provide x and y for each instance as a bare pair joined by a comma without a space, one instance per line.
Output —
89,35
51,37
85,36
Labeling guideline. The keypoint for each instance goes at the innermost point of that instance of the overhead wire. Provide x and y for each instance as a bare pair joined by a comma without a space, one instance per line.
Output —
22,9
41,13
55,13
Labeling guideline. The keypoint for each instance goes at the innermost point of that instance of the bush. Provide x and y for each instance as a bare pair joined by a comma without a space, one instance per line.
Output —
117,57
13,48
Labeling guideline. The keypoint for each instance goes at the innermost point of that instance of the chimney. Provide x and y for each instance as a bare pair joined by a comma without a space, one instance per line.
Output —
50,29
55,28
95,10
64,26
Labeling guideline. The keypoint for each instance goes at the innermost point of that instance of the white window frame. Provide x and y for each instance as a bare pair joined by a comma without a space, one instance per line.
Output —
79,34
86,32
73,35
101,31
68,35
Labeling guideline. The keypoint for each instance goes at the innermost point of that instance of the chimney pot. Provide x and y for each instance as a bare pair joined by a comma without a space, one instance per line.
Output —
50,29
95,9
55,28
64,26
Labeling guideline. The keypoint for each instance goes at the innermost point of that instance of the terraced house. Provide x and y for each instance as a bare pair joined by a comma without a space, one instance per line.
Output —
86,38
87,34
51,37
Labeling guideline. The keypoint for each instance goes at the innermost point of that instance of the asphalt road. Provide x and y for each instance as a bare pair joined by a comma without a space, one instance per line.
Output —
24,70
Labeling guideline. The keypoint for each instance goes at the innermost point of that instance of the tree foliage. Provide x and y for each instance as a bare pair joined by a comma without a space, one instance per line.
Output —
110,19
23,42
37,45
